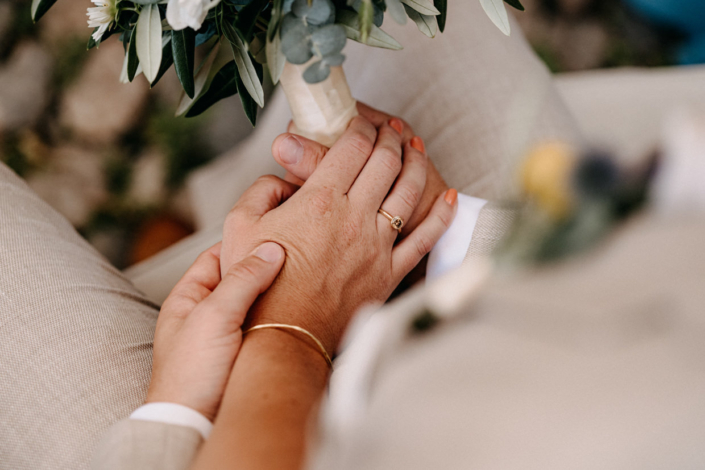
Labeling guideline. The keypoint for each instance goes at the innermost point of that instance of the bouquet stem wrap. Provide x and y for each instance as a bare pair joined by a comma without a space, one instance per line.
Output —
321,111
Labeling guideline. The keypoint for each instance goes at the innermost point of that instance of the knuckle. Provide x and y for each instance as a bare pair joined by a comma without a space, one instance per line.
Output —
409,195
360,142
390,159
267,180
423,246
242,272
322,201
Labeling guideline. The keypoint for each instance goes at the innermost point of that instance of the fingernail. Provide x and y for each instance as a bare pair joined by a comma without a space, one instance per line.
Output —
269,252
451,196
291,151
417,143
397,125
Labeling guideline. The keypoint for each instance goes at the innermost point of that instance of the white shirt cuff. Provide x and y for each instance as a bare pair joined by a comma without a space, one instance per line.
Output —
451,249
171,413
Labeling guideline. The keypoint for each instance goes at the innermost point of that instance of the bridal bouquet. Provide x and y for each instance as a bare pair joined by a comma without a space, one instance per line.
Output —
238,38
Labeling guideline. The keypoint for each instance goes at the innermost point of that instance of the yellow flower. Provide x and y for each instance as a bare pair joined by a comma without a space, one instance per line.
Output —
546,178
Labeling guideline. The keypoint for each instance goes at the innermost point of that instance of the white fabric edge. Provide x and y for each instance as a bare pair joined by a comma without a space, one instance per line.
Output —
451,249
172,413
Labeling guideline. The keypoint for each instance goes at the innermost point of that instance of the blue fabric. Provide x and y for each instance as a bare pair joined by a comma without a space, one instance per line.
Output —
687,16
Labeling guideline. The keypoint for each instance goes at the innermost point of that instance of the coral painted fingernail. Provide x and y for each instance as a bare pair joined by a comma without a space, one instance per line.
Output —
397,125
291,151
417,143
269,252
451,196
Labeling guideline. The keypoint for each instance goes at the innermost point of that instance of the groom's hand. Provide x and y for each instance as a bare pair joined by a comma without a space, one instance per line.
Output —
300,157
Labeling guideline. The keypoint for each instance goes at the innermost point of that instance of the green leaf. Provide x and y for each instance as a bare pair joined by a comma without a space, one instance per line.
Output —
498,14
149,41
183,44
132,61
245,67
224,85
350,21
426,24
204,77
167,57
396,10
275,58
425,7
247,18
366,16
248,104
275,20
442,6
516,4
39,7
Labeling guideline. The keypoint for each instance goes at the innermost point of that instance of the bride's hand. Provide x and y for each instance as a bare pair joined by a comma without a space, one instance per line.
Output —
300,157
198,331
340,253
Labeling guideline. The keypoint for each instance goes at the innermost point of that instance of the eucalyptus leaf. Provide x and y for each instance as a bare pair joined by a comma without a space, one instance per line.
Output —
248,104
316,72
224,85
275,58
426,24
516,4
247,18
183,44
425,7
316,13
295,40
132,61
377,10
396,11
39,7
149,41
329,39
334,60
245,67
442,6
498,14
378,38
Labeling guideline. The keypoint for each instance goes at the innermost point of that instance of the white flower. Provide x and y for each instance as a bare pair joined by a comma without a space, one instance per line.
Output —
101,16
183,14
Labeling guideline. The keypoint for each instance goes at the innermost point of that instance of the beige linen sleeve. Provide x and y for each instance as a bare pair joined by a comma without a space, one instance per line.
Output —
493,223
145,445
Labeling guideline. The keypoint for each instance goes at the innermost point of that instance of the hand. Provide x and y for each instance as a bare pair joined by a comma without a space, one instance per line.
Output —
340,252
300,157
199,332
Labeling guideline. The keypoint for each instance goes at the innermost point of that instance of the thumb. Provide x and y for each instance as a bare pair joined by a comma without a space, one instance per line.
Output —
245,281
298,155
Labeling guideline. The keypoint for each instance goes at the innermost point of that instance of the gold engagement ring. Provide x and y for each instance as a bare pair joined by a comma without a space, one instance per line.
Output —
396,222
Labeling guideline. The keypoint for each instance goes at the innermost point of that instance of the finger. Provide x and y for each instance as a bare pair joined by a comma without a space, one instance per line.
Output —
405,196
381,170
347,157
266,194
410,251
377,118
293,179
198,282
298,155
244,282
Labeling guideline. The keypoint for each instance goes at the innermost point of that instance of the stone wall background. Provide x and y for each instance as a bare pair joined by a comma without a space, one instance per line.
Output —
112,158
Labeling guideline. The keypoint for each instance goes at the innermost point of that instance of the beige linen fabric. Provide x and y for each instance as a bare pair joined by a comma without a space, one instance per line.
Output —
152,446
594,363
494,222
75,338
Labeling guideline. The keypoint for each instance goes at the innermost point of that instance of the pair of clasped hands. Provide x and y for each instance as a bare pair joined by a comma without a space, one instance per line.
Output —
308,250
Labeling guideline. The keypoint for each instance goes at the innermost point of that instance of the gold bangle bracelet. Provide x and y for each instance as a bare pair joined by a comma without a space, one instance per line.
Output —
282,326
